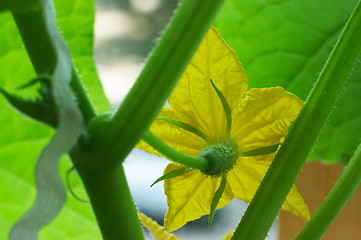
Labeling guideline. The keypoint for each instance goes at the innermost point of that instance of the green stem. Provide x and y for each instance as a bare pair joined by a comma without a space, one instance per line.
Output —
279,179
335,201
174,155
161,73
82,98
112,203
41,51
33,31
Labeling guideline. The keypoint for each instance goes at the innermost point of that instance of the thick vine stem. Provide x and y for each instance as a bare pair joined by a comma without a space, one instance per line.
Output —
161,73
111,201
335,201
278,181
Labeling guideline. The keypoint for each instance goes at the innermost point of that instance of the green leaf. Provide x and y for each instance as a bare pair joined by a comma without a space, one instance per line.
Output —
37,109
286,43
17,192
21,139
51,192
75,19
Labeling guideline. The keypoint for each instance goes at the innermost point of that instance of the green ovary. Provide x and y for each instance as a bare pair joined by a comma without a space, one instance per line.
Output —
221,156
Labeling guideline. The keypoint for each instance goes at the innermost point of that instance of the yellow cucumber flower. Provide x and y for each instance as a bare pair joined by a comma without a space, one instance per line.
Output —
210,111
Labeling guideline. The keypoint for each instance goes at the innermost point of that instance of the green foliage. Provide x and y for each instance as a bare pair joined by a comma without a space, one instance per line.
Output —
75,20
17,193
286,43
19,136
21,139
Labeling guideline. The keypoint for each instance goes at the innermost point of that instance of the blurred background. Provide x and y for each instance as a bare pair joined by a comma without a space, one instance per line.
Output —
125,33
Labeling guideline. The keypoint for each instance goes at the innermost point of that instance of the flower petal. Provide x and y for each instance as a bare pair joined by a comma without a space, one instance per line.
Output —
247,175
263,117
156,230
295,204
195,101
189,197
228,236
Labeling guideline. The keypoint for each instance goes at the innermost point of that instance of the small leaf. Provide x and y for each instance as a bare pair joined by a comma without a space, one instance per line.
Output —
29,84
216,198
172,174
44,112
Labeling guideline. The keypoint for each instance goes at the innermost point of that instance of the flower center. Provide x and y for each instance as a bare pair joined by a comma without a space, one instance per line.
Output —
221,157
